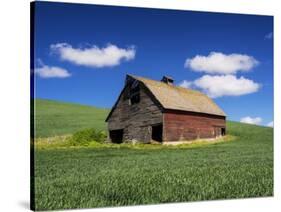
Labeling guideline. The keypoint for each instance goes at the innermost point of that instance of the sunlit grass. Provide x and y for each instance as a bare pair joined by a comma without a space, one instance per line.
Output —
53,118
238,166
64,142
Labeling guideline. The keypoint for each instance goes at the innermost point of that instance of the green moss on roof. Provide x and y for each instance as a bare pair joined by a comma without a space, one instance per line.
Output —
178,98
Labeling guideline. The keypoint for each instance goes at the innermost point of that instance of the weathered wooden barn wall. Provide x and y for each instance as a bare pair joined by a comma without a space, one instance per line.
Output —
189,126
136,119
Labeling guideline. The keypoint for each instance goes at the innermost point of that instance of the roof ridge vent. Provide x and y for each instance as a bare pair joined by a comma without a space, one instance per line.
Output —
168,80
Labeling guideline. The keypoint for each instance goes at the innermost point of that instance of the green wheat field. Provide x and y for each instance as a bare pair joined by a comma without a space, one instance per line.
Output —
103,175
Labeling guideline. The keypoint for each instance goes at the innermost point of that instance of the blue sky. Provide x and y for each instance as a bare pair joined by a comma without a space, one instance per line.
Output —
83,52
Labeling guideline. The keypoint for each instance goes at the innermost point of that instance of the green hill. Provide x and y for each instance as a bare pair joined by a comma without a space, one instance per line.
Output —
104,177
58,118
101,177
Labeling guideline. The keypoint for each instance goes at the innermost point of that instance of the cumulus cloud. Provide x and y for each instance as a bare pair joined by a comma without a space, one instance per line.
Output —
250,120
94,56
222,85
45,71
219,63
269,36
270,124
185,84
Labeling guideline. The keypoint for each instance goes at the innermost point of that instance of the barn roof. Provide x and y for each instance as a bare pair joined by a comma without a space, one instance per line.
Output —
178,98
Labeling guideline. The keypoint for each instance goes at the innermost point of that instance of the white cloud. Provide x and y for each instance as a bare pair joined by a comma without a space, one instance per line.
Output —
219,63
94,56
51,72
249,120
269,36
270,124
185,84
222,85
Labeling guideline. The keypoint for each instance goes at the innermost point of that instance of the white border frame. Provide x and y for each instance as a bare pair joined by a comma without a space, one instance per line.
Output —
14,84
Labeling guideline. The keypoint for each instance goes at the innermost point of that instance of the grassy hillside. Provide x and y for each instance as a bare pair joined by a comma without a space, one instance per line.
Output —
58,118
98,177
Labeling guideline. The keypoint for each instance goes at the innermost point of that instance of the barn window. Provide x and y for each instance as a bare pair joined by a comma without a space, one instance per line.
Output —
135,93
135,99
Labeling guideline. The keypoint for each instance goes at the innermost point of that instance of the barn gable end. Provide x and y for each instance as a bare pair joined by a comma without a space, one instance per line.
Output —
134,120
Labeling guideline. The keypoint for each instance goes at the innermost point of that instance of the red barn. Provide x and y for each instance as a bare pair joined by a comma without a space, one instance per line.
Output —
149,110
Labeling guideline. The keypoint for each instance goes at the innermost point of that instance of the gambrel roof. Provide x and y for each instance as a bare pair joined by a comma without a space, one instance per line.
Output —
178,98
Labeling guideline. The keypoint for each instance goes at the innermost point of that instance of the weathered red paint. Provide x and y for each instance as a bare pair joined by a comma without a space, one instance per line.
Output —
180,125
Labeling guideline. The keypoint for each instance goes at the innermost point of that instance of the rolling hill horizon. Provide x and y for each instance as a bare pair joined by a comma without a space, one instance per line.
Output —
54,117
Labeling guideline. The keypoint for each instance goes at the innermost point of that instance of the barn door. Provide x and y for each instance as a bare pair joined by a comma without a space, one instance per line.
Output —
116,136
216,132
157,131
222,131
219,131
